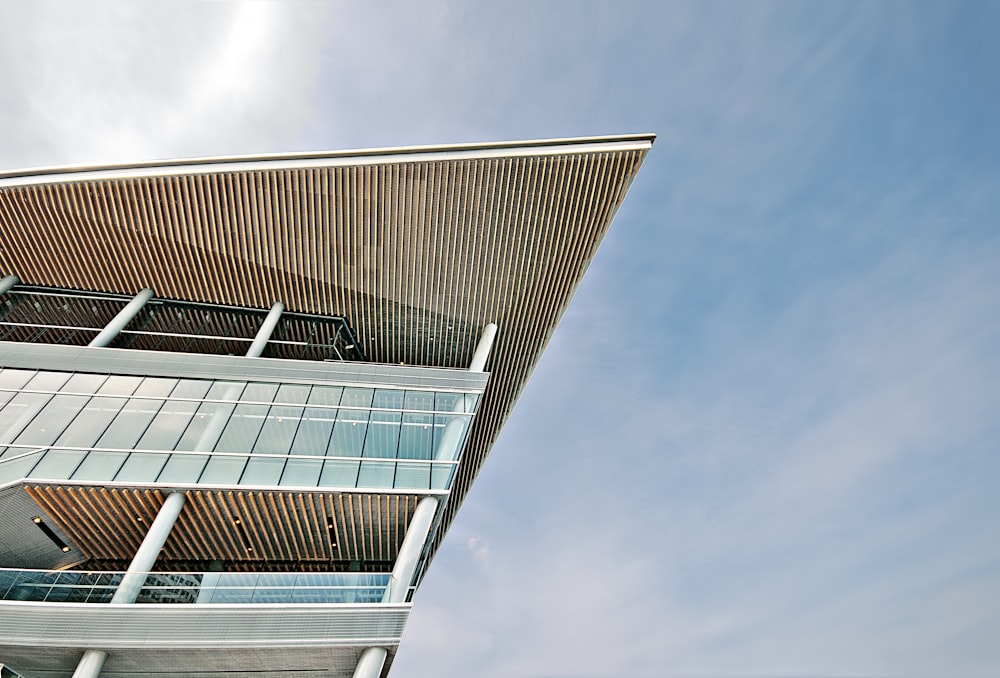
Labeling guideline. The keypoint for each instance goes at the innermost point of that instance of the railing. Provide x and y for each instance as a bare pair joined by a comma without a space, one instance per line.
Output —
245,470
59,316
75,586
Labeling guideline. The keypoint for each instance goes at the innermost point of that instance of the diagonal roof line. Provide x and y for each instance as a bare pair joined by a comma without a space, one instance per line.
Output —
319,159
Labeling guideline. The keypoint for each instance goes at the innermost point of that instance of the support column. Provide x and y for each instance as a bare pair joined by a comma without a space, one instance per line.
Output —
256,349
448,448
91,664
370,663
373,658
410,550
478,363
149,550
128,590
123,318
7,282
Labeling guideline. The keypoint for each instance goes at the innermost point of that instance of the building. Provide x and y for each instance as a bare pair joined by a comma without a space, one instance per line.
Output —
242,399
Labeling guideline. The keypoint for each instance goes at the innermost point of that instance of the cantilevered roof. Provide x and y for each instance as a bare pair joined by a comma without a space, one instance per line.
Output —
418,247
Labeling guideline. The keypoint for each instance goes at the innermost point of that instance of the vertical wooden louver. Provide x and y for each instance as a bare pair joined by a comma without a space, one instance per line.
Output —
417,248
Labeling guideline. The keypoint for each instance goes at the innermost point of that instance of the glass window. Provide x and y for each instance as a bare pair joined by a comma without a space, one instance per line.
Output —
339,473
90,424
84,383
413,476
416,437
242,429
348,437
232,594
142,467
15,379
155,387
182,468
383,435
100,465
449,402
376,474
302,472
357,397
52,419
441,476
168,425
419,400
313,435
388,398
260,393
266,594
279,429
191,388
449,434
18,468
47,381
225,390
130,424
471,401
58,464
223,470
119,385
206,426
19,412
292,394
262,471
325,395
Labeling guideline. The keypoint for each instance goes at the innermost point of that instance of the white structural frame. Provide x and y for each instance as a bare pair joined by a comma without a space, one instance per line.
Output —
415,542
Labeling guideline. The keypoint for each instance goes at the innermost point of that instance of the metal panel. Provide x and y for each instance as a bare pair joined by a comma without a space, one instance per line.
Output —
219,626
41,639
158,364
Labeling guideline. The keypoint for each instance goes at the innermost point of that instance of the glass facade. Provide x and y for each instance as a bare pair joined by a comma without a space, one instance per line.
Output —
76,586
129,429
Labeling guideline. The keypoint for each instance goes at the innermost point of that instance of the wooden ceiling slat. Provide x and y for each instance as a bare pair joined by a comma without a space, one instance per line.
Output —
404,248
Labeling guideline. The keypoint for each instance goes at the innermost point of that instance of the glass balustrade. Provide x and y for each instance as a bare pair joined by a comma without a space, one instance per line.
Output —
72,586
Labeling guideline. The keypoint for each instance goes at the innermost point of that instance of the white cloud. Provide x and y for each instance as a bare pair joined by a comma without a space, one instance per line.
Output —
115,82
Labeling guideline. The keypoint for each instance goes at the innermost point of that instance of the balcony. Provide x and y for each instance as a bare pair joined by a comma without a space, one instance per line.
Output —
75,586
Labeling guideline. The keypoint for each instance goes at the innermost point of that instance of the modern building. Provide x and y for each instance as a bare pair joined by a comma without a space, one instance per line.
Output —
241,400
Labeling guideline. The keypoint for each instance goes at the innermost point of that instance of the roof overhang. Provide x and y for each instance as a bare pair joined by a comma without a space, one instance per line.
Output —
418,247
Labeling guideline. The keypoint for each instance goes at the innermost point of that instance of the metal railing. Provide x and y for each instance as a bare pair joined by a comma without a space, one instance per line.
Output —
77,586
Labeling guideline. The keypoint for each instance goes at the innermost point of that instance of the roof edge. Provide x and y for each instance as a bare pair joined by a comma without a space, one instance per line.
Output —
421,153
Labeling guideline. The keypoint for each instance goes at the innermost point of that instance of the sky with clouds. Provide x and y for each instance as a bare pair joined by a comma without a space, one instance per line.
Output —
765,441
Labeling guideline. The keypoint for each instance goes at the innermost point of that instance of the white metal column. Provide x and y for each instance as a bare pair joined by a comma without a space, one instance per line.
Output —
7,282
483,348
128,590
91,664
149,550
123,318
256,349
370,663
373,658
409,552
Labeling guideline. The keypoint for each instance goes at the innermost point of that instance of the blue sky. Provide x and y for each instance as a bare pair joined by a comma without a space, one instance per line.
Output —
765,440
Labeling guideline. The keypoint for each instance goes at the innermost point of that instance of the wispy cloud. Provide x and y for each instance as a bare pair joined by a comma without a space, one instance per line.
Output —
763,442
